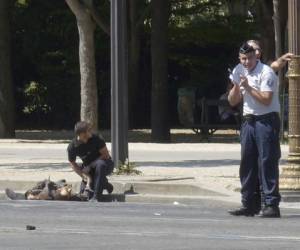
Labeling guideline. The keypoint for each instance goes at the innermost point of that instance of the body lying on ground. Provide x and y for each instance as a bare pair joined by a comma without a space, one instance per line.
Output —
49,190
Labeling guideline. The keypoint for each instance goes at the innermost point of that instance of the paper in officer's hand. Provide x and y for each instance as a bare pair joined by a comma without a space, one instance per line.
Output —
235,79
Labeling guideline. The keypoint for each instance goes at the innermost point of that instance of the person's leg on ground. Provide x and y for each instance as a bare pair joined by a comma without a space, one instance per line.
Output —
108,171
101,168
98,166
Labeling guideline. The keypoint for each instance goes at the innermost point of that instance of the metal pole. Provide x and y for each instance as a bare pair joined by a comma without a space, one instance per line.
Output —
290,178
119,82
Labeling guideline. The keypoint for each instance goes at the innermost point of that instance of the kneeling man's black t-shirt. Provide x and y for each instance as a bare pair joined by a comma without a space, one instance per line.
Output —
88,152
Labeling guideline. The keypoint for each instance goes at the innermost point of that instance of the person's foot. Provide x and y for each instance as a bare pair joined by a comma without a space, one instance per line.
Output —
88,189
242,211
109,187
270,212
10,194
257,210
93,199
257,206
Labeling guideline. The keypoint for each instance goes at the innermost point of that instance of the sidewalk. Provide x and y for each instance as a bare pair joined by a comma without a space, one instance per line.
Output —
187,171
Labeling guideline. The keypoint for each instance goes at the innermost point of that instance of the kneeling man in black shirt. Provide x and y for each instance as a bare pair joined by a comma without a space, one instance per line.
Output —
97,163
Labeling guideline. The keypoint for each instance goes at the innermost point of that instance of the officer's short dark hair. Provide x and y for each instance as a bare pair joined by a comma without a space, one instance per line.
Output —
246,48
81,127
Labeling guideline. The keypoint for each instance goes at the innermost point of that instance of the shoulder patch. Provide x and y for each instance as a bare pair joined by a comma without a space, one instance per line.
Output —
270,82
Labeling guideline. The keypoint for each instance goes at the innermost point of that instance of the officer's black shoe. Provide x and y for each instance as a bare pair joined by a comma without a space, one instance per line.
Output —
257,206
243,211
270,212
257,210
109,187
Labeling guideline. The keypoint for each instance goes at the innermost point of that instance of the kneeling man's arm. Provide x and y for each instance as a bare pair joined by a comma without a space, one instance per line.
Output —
76,168
104,154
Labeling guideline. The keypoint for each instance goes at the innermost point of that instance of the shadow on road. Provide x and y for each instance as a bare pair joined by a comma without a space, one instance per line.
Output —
190,163
38,166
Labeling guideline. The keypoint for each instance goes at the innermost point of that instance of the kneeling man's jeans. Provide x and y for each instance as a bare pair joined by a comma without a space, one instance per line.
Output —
99,170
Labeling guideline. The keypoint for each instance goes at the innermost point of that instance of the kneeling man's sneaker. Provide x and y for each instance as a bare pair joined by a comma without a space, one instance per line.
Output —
270,212
93,199
243,211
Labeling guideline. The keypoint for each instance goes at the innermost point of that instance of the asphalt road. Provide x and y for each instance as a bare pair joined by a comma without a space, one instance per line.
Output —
67,225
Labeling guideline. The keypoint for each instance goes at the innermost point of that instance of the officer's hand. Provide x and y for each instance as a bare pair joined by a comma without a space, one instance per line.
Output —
235,88
244,82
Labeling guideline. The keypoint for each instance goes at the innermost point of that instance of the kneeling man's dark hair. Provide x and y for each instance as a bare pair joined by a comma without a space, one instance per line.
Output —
81,127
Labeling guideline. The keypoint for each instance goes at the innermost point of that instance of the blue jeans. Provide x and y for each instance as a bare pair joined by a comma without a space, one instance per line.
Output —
99,170
260,156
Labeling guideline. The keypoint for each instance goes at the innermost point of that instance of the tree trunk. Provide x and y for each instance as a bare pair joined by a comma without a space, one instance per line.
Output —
89,93
159,51
277,29
265,19
7,109
134,60
135,30
278,52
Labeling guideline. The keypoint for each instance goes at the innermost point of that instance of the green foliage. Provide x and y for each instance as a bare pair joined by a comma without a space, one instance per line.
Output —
36,103
127,168
21,2
45,50
203,38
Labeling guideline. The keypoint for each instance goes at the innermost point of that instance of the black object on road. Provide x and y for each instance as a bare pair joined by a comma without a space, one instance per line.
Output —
28,227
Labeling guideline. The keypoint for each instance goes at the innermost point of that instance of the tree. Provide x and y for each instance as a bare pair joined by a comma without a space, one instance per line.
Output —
264,16
7,109
237,7
280,21
136,23
159,53
86,30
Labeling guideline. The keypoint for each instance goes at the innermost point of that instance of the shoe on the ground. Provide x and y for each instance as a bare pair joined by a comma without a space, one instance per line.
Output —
257,210
270,212
242,211
93,199
109,187
257,206
88,193
11,195
88,190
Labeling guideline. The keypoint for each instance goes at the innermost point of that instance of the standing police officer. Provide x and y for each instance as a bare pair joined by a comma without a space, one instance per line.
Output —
256,85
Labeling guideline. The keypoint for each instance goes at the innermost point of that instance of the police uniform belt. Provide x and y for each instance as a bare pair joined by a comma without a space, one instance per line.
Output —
254,118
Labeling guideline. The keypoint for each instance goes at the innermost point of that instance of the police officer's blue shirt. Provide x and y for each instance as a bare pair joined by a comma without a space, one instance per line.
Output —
261,78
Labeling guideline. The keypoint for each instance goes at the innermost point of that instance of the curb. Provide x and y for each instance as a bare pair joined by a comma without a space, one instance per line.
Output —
154,192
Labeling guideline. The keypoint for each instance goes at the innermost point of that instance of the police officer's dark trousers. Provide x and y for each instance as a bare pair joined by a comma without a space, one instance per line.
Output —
260,156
